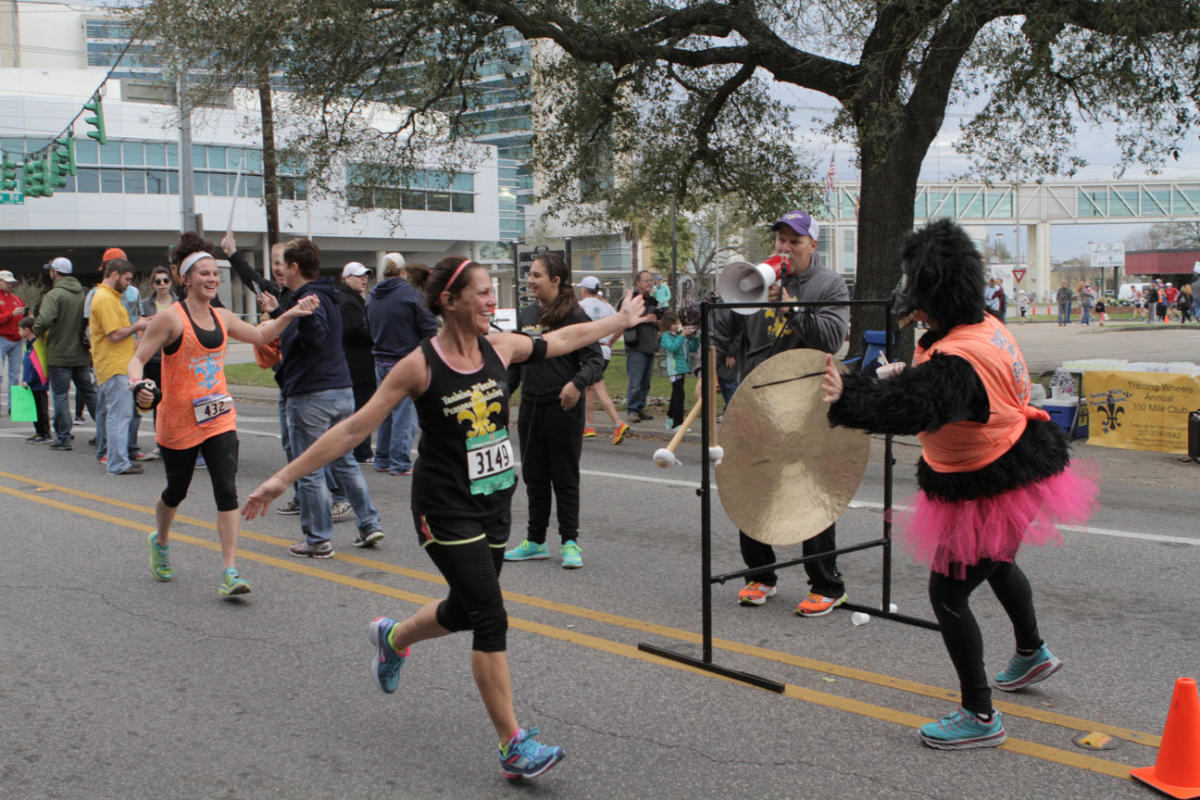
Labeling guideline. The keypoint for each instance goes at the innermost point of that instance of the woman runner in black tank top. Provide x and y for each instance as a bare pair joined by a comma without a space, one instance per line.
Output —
463,482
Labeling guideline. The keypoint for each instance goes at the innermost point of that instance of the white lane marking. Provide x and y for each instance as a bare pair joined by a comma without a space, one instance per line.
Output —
874,506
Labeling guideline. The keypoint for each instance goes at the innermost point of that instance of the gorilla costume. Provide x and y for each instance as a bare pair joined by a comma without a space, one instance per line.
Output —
994,471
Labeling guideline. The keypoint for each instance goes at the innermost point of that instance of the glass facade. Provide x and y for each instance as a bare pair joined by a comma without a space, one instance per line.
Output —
130,166
424,190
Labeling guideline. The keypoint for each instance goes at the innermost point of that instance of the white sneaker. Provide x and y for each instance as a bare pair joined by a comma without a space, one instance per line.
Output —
341,511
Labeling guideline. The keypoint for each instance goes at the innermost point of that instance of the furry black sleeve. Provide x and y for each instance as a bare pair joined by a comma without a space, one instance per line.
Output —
944,389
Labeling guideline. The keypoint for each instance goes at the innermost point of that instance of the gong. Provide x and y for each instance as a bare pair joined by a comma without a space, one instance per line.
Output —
787,474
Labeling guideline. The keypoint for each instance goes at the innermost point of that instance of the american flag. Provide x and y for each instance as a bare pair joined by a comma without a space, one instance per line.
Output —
829,184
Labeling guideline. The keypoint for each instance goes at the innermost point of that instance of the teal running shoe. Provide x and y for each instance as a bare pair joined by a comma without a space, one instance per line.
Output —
1027,670
160,558
961,730
572,556
526,757
232,583
527,551
387,662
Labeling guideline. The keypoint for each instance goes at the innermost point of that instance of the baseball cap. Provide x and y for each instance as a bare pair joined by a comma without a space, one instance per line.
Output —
354,268
393,259
591,283
5,275
800,222
60,265
111,253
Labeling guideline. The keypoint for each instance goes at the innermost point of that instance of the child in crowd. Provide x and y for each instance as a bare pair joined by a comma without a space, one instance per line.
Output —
1101,314
677,342
33,376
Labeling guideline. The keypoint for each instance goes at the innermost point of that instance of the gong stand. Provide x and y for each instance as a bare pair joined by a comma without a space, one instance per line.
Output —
709,378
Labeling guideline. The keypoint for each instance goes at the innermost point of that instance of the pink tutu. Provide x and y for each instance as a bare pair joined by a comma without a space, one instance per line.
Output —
962,533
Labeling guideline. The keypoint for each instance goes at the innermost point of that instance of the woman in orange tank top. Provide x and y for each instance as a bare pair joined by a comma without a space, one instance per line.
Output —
994,475
198,414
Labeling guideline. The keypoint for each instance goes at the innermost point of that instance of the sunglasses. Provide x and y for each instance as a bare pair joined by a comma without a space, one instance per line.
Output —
162,281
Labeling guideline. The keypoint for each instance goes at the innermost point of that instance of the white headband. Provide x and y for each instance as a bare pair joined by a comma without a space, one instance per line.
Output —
191,260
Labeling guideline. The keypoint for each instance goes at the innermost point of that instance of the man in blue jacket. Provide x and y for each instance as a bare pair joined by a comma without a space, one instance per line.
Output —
315,381
399,320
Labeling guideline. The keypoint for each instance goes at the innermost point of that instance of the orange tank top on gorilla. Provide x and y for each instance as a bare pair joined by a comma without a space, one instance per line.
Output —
196,404
992,351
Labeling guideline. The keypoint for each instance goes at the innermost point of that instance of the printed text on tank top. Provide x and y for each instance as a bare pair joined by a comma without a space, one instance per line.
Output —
489,451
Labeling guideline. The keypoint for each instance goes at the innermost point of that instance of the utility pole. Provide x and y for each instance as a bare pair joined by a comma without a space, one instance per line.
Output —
270,181
187,186
674,246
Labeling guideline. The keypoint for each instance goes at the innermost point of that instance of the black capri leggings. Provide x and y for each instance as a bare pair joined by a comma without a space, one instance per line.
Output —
471,566
221,456
960,631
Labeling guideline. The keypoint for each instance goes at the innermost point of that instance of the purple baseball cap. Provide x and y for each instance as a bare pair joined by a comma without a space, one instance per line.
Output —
800,222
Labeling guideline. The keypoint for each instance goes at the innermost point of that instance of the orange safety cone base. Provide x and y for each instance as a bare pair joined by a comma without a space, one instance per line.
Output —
1176,772
1146,776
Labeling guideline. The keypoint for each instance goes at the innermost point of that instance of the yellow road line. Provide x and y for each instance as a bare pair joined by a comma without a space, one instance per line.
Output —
820,698
850,673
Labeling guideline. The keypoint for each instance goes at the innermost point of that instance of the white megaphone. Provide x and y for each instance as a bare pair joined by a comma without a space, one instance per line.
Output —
743,282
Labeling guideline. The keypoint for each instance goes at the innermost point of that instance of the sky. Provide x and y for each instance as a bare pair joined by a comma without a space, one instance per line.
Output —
942,163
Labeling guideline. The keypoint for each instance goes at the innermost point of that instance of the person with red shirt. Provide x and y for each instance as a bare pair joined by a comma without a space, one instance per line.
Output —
12,308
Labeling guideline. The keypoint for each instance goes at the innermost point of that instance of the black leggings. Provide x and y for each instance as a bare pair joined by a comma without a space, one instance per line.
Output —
472,569
221,456
960,631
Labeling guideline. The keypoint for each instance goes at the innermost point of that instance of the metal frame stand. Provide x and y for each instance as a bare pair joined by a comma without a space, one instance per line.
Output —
707,579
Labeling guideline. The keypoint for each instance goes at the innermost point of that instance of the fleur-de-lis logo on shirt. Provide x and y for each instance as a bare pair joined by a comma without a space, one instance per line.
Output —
776,322
207,370
479,414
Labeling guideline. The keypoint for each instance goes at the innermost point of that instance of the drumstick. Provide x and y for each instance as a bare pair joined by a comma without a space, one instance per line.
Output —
665,456
716,453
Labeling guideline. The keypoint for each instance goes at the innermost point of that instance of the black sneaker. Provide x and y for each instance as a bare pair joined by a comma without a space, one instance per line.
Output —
368,539
35,439
133,469
634,419
61,446
290,508
642,415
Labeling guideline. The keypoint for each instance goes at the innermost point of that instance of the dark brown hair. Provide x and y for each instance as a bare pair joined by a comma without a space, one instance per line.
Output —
440,276
118,266
669,318
191,242
561,307
305,254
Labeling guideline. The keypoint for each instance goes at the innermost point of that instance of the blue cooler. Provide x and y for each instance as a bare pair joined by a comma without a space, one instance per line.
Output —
1063,412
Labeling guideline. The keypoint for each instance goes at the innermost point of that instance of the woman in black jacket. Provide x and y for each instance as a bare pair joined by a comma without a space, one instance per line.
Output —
357,342
550,422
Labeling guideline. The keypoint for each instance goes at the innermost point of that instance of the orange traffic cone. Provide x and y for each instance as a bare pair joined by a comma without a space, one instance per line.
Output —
1177,770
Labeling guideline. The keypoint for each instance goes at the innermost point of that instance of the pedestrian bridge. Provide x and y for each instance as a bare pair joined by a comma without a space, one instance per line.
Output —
1036,206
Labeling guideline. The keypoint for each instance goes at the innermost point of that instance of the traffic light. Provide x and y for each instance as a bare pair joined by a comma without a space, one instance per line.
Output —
35,179
64,160
95,105
8,174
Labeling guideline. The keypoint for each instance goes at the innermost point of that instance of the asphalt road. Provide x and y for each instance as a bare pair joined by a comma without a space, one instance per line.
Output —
115,686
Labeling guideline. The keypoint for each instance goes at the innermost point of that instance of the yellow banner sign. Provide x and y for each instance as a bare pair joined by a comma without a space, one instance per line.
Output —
1140,410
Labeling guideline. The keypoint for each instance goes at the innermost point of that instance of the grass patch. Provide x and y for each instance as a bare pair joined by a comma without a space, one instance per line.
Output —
250,374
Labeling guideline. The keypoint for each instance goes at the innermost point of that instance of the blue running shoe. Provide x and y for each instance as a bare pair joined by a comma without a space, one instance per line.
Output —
160,558
961,730
527,551
387,662
1027,670
232,584
526,757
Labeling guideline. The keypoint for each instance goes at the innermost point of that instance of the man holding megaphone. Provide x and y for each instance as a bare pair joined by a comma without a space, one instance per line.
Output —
765,332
